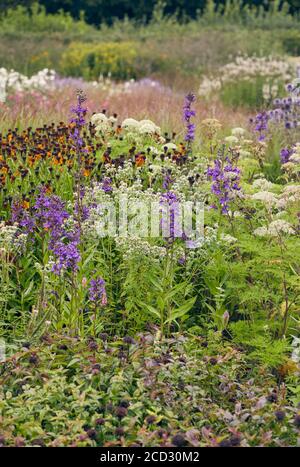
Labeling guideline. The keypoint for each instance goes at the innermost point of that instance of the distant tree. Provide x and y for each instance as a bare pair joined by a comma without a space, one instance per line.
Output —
97,11
4,4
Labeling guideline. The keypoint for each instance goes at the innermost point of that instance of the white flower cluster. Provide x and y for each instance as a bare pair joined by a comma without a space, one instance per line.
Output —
135,246
228,238
111,88
238,141
262,184
142,127
102,122
11,81
295,357
275,229
270,91
246,69
130,126
11,239
265,197
295,157
290,195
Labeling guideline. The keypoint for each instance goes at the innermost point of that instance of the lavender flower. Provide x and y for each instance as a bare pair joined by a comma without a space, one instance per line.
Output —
170,211
225,186
284,114
67,256
97,291
81,212
188,113
78,120
48,215
167,181
261,125
22,217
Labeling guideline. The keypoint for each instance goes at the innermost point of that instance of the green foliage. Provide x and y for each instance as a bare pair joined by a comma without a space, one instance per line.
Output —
291,43
294,390
256,337
92,60
64,392
98,11
248,93
36,20
32,39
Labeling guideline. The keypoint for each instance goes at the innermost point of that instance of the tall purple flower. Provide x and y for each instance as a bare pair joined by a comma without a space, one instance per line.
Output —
50,214
47,217
188,114
78,119
226,178
97,291
261,125
167,181
79,112
67,256
170,212
22,217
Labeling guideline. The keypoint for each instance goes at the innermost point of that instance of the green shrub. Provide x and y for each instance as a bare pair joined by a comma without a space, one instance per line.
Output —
93,60
37,20
291,43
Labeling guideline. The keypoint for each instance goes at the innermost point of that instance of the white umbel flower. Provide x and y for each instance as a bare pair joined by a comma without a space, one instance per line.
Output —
275,229
130,124
261,232
147,129
238,132
228,238
266,197
99,118
280,227
262,184
231,139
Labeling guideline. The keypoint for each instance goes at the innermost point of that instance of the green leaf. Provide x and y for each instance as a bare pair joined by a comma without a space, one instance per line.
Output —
152,310
181,311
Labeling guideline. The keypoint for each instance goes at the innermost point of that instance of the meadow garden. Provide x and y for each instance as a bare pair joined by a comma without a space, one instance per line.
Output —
189,337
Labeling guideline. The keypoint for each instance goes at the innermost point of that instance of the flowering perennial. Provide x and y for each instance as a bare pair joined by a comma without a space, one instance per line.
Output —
225,177
188,113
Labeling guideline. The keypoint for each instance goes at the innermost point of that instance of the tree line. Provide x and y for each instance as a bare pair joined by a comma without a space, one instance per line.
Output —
99,11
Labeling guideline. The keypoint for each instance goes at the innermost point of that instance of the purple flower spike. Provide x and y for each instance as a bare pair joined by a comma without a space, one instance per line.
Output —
226,178
97,291
188,114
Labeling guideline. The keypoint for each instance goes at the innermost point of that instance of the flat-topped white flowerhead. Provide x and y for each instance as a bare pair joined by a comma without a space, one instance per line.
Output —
275,229
148,127
266,197
130,124
231,139
98,118
263,184
238,132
